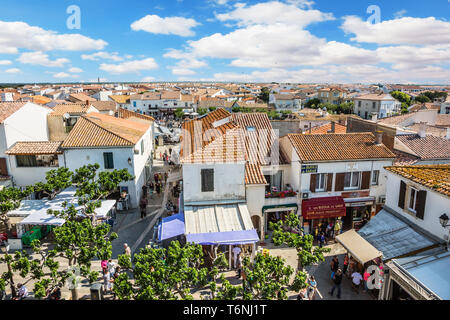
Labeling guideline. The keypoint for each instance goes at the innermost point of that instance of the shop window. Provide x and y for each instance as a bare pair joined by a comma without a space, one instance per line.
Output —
37,161
351,180
375,176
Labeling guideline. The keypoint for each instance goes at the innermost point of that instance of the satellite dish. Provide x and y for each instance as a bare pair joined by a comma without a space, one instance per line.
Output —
66,115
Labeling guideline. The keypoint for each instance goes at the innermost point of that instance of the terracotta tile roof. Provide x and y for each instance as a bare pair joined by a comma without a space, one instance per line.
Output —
431,130
82,97
404,158
435,177
73,109
199,132
99,130
375,96
329,147
396,120
122,99
424,106
253,174
104,105
40,100
171,95
35,148
146,96
443,120
326,128
211,102
127,114
8,108
429,147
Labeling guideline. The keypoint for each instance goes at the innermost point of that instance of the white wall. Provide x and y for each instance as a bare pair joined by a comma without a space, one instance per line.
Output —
26,176
436,204
228,182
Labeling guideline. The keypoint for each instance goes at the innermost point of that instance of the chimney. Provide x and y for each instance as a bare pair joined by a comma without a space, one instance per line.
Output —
379,137
422,129
333,127
374,116
87,102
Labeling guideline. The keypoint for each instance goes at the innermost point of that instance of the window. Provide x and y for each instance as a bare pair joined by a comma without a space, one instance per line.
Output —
351,180
375,175
109,162
37,161
321,182
359,103
374,105
413,199
207,180
134,104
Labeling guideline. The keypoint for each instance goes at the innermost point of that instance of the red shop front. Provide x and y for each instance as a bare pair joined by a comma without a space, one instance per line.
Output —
318,211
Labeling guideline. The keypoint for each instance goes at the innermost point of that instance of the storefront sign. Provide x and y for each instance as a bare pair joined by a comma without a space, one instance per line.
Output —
359,204
309,168
355,194
320,208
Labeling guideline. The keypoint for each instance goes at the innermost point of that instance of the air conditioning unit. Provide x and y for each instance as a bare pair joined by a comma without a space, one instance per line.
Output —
306,195
382,199
136,151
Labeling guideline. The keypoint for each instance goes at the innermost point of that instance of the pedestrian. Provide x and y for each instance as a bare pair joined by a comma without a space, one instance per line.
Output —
104,265
236,252
166,175
337,227
334,266
106,282
144,190
239,267
312,287
22,292
111,267
113,280
321,240
330,229
346,261
337,279
155,176
366,276
127,250
356,281
143,205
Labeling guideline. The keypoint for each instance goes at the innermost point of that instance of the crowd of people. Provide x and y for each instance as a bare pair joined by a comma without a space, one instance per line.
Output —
326,231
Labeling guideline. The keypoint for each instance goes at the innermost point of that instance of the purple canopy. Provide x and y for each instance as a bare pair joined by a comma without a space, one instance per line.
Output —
171,227
225,238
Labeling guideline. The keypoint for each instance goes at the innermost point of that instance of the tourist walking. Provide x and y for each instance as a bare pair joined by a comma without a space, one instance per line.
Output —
334,266
127,250
337,227
22,293
337,279
346,262
312,287
106,282
143,205
356,281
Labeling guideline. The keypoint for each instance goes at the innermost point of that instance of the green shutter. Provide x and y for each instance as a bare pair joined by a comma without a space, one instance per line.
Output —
108,159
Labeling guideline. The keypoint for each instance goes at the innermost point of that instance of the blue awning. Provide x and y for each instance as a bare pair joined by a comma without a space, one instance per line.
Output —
171,227
224,238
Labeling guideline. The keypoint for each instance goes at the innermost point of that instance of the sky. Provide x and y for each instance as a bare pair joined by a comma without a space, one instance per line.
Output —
301,41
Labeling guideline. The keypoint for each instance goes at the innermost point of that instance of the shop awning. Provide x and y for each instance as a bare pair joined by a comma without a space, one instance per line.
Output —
224,238
171,227
358,247
321,208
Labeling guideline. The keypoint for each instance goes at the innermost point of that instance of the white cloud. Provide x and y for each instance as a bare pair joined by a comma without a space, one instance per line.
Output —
407,30
171,25
102,55
5,62
400,14
75,70
130,66
182,71
40,58
148,79
13,70
269,13
19,35
62,75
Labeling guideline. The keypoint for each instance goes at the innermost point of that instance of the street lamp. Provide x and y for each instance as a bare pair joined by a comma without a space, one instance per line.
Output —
443,219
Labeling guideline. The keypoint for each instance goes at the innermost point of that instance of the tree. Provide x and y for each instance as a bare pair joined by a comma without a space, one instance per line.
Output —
55,181
163,274
264,95
402,97
435,95
211,109
289,232
422,99
202,111
10,199
313,103
179,113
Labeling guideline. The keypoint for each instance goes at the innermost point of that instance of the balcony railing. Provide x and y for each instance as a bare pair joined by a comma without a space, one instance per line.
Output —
280,195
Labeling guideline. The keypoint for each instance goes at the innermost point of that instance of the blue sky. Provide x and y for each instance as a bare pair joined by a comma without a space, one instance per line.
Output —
226,40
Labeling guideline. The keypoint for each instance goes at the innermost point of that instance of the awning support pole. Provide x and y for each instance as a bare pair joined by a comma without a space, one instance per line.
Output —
229,256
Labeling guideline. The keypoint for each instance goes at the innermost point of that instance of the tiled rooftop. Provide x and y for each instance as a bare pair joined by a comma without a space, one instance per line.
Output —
35,148
429,147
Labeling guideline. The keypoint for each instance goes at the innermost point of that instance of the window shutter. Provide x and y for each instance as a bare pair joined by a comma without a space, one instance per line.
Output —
207,180
420,204
312,183
340,178
3,167
402,194
330,182
365,183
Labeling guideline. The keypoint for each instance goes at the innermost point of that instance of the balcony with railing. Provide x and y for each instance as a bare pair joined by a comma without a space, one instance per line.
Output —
276,197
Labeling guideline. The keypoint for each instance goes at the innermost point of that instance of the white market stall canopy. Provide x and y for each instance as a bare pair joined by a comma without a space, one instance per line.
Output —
358,247
35,211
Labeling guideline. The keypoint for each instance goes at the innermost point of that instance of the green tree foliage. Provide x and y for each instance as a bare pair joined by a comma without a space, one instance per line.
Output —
10,200
313,103
56,181
202,111
402,97
179,113
264,95
289,232
435,95
211,109
164,274
422,99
